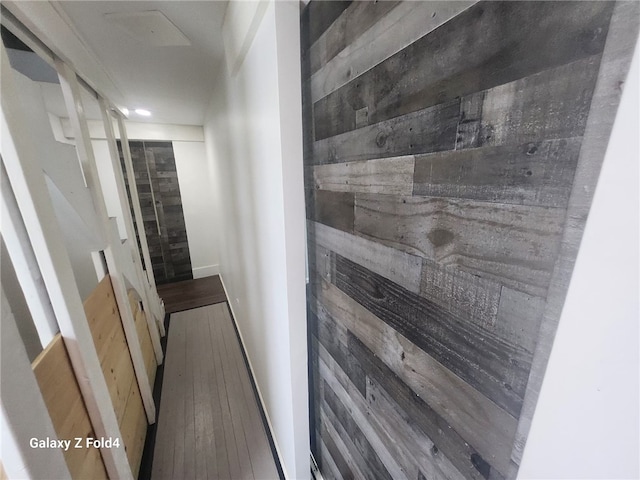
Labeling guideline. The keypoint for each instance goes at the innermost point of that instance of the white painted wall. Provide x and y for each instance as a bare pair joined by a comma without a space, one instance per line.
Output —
197,200
587,420
254,144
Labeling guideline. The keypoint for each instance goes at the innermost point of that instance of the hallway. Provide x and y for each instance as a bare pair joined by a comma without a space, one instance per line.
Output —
209,424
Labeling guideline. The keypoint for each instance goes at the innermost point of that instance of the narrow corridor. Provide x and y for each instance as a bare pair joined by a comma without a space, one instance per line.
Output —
209,424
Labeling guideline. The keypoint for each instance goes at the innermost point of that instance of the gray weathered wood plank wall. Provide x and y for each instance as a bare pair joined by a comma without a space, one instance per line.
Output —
154,166
445,146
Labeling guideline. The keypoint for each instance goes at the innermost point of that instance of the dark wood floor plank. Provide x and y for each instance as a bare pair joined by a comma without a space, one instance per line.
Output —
536,173
490,44
189,294
223,398
237,405
432,129
192,332
221,458
513,244
487,362
206,415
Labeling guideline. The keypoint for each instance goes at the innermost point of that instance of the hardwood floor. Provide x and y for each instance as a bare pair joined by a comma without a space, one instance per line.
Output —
209,424
188,294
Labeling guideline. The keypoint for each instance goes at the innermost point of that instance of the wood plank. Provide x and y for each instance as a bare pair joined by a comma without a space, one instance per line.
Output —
189,444
227,422
62,396
432,129
493,43
402,26
382,433
329,469
467,296
537,173
447,440
477,419
194,293
513,244
617,56
383,176
361,450
338,392
163,463
134,428
493,366
333,337
552,104
334,445
115,360
322,15
334,209
261,457
399,267
344,443
353,22
427,456
203,416
351,409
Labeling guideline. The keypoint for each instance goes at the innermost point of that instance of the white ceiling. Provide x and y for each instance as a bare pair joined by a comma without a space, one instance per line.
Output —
173,82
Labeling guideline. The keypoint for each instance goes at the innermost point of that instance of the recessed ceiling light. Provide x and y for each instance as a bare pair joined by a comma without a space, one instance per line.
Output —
125,111
142,112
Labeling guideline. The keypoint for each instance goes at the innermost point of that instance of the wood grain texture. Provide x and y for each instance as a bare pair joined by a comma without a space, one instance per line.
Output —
321,15
446,155
338,391
62,396
400,267
484,425
430,130
402,26
495,43
616,59
353,22
334,209
490,364
535,173
460,453
552,104
108,336
370,462
513,244
383,176
209,424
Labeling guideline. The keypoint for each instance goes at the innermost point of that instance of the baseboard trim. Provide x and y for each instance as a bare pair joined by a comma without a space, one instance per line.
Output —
206,271
263,411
